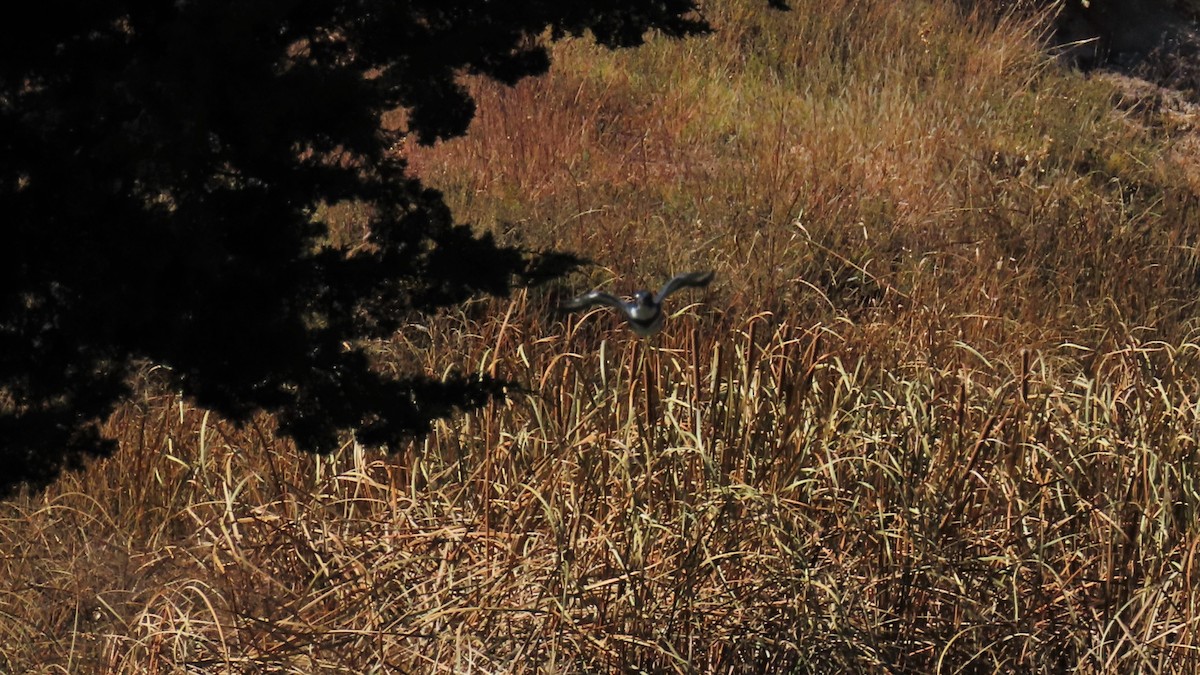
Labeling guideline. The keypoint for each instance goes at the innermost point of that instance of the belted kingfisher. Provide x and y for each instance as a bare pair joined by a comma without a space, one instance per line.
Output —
645,314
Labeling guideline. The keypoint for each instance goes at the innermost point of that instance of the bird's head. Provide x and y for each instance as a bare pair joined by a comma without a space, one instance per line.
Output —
643,299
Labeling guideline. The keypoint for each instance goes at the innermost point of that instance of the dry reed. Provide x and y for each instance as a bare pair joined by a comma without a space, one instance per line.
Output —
938,414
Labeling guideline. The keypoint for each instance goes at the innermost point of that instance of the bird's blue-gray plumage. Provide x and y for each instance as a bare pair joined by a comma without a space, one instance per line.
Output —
644,314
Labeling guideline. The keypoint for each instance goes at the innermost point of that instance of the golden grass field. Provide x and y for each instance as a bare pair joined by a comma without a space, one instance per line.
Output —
939,412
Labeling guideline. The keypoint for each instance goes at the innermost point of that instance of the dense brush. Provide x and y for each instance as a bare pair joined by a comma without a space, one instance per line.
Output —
938,413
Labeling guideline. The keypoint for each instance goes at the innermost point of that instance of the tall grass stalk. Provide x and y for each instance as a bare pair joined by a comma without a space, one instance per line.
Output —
938,414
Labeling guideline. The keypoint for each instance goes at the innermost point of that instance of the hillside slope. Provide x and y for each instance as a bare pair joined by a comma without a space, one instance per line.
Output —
939,412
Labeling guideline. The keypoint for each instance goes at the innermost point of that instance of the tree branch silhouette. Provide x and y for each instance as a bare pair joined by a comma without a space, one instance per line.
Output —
160,165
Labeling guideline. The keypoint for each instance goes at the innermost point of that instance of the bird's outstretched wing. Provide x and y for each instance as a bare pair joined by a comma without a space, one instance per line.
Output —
594,298
689,279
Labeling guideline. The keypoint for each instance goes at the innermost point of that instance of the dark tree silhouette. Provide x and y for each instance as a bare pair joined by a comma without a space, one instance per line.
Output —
160,165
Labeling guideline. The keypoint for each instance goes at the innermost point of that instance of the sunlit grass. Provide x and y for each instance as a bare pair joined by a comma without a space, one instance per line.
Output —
938,413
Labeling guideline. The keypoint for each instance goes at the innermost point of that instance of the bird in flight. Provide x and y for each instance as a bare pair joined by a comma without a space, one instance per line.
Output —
645,314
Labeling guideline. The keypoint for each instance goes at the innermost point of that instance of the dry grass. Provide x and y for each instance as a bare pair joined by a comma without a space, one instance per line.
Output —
939,413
